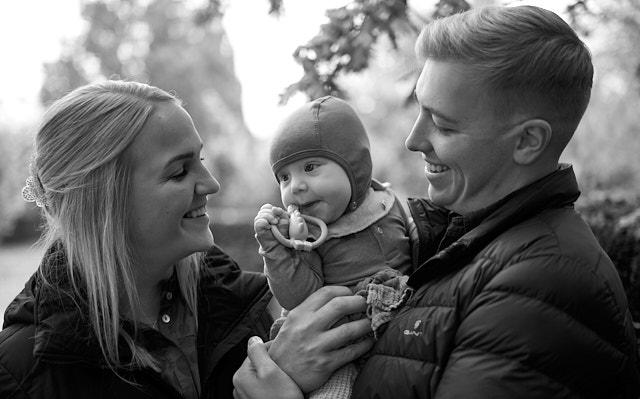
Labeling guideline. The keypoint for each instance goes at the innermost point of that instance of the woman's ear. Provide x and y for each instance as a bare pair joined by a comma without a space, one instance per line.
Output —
535,135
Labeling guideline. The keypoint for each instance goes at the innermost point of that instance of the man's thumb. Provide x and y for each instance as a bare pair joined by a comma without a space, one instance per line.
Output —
257,353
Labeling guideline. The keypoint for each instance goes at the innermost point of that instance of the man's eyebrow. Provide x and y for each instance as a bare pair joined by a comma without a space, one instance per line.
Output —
434,111
441,115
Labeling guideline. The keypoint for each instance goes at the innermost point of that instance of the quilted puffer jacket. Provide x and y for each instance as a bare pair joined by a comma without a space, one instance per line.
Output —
524,305
48,351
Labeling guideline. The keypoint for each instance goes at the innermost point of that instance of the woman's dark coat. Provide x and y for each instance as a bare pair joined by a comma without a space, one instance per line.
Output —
48,351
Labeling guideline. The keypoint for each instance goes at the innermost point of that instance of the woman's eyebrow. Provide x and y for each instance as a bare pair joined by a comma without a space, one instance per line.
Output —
186,155
180,157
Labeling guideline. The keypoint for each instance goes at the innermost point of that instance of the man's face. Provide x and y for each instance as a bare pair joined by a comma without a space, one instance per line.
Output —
467,146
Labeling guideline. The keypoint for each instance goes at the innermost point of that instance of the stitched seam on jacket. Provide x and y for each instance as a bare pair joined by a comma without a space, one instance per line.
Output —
502,356
431,305
414,359
563,314
590,267
19,387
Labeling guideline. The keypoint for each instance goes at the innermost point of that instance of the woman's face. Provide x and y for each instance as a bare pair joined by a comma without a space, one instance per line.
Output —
169,188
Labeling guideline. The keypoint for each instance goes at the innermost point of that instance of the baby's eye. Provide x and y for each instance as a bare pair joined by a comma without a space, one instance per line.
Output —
310,167
283,177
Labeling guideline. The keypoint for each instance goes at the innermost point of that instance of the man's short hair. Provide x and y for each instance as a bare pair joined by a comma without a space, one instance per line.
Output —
530,60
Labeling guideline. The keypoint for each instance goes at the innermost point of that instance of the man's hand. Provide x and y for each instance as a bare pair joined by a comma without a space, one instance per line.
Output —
260,377
308,349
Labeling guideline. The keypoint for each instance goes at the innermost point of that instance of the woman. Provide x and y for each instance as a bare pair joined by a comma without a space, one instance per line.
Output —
132,299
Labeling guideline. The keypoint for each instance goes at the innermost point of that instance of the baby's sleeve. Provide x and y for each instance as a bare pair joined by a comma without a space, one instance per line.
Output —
293,275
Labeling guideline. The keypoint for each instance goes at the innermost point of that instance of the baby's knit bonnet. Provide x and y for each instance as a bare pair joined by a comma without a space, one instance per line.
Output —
327,127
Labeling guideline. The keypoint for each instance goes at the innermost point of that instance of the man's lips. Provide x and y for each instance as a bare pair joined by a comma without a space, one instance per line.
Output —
198,212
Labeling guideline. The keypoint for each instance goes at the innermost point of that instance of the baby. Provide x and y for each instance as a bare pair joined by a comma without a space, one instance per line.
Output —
320,157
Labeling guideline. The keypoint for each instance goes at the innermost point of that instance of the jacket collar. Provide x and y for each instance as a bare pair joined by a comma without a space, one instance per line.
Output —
231,305
60,314
376,205
63,331
558,189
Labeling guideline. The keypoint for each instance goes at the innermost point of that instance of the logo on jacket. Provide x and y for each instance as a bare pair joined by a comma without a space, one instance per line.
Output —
413,331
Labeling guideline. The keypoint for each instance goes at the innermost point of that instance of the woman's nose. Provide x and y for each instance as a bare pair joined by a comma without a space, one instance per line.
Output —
207,184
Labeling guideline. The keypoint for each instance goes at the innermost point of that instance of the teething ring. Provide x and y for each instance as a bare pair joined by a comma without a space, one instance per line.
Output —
303,245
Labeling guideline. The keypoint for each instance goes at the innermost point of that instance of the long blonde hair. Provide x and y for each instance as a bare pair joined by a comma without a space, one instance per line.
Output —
80,164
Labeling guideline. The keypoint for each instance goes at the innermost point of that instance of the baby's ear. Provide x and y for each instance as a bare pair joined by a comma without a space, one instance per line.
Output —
534,137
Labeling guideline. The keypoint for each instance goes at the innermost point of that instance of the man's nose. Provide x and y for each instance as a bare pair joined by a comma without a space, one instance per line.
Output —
419,137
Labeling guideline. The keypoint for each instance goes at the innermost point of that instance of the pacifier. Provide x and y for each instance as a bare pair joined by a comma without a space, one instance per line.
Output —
299,231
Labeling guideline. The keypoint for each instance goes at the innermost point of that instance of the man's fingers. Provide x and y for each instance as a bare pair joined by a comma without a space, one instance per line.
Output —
339,307
351,352
257,354
244,373
320,298
347,332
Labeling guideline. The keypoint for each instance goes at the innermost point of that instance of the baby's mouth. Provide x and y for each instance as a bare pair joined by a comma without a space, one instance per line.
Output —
306,208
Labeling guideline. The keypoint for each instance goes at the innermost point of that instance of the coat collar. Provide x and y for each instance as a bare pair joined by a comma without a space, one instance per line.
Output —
558,189
376,205
60,313
62,328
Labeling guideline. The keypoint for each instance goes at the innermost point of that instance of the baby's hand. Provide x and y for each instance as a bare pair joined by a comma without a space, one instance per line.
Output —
269,215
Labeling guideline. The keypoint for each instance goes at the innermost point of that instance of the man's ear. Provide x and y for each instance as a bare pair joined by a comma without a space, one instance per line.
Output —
535,135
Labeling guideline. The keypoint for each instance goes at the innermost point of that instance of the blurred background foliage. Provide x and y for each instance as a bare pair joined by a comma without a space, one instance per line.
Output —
363,53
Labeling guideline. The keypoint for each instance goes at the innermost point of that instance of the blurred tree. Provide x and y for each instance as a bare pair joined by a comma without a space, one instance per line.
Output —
346,46
605,149
616,224
345,43
621,20
174,46
15,149
348,43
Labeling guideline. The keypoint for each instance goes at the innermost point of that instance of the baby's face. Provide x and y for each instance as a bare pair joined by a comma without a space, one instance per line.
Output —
317,185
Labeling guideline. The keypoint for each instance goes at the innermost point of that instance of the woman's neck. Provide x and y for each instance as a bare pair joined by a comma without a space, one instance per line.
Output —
150,298
149,286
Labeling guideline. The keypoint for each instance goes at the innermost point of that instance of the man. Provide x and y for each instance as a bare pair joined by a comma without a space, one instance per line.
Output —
514,297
